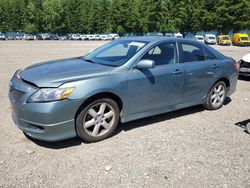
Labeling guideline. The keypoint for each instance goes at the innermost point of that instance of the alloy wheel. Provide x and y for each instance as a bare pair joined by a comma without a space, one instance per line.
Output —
218,95
99,119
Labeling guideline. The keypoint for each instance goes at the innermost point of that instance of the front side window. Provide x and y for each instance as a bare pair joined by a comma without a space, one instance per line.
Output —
115,53
162,54
192,52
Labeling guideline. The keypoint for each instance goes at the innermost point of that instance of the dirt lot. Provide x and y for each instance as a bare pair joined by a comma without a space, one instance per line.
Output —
192,147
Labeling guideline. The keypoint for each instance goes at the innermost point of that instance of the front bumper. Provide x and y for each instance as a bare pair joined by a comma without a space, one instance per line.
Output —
46,132
244,44
51,121
211,42
248,127
243,71
225,43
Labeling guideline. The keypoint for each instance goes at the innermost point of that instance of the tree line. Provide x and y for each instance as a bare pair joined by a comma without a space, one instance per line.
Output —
123,16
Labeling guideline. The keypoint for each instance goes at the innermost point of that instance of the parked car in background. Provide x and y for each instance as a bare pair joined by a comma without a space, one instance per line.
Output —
245,65
224,40
151,34
90,37
199,38
63,37
39,36
2,36
83,37
10,37
19,37
46,36
88,96
178,35
29,37
54,37
168,35
75,37
114,36
97,37
210,39
104,37
241,39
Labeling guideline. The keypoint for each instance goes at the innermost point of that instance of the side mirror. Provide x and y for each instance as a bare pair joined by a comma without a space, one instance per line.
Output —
145,64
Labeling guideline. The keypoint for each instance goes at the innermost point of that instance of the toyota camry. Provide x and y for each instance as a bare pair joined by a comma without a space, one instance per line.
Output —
124,80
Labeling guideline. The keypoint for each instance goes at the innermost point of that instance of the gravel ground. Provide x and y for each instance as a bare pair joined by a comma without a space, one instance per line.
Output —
192,147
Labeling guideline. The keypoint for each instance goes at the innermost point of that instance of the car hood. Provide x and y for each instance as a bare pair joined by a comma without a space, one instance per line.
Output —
57,72
246,58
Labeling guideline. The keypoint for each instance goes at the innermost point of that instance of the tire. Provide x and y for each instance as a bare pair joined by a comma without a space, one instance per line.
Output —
98,120
216,96
248,127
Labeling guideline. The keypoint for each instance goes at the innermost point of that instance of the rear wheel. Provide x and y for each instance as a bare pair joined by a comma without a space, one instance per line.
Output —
216,96
98,120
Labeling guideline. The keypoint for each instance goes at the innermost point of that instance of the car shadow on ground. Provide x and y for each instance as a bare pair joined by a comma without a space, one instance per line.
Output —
126,126
163,117
243,124
56,145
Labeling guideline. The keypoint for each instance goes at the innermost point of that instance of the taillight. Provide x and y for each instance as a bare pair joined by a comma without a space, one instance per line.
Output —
236,65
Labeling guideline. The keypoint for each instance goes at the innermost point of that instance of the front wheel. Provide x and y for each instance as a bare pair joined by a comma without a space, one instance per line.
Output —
216,96
98,120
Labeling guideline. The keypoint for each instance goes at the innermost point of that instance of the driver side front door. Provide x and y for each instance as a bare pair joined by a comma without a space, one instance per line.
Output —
159,87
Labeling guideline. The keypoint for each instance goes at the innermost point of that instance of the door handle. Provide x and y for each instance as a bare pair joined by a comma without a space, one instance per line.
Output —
209,73
177,72
215,66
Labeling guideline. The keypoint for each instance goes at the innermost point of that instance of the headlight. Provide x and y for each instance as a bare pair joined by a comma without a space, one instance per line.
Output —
50,94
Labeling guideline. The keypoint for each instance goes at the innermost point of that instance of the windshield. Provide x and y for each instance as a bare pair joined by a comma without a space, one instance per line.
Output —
243,38
115,53
200,38
225,38
213,38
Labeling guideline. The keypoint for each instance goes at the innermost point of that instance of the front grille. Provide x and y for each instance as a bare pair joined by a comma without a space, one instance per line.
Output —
15,94
244,64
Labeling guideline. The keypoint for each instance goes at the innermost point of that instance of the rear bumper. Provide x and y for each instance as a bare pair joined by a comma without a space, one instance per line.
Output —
233,82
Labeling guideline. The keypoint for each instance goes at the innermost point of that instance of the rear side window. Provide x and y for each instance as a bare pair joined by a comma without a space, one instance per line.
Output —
209,55
192,52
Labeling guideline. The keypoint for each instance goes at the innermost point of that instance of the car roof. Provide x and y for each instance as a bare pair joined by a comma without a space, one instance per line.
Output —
153,39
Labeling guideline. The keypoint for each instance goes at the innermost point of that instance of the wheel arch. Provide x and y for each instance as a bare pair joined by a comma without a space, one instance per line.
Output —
96,96
225,80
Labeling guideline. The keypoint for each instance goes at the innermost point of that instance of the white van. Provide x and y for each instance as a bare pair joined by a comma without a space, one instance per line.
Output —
114,36
199,38
210,39
178,35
